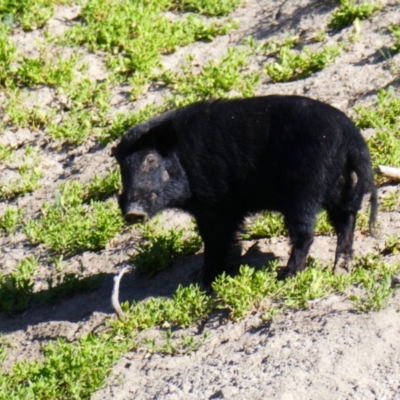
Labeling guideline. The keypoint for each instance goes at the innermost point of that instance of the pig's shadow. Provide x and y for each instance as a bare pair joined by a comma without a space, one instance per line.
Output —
185,271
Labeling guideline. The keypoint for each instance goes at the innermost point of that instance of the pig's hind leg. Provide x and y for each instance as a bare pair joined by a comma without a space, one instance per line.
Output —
344,223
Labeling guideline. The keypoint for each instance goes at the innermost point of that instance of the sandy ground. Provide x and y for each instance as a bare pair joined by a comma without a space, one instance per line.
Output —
325,352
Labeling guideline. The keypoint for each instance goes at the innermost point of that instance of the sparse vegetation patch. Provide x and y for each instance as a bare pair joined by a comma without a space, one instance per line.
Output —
291,65
29,172
396,33
267,224
217,79
10,220
158,246
384,116
16,289
29,14
123,121
19,70
68,226
207,7
375,277
270,224
135,33
350,10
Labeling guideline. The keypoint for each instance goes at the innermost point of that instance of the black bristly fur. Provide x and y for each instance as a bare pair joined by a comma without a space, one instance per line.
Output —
227,158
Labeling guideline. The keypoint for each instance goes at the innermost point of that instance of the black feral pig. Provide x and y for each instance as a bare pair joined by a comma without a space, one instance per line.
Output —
220,160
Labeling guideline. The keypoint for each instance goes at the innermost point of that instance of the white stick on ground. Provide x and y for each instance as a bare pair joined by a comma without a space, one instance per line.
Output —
388,172
115,294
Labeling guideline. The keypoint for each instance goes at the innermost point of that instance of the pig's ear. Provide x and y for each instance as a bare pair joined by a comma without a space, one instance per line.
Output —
164,136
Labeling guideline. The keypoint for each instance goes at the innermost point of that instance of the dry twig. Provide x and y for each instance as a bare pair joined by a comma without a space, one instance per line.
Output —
115,294
388,172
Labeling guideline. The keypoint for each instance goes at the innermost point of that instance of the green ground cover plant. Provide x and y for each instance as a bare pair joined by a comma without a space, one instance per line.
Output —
384,116
11,219
375,277
134,34
186,306
49,68
349,11
29,172
29,14
396,33
291,64
86,111
207,7
68,226
385,113
270,224
390,202
184,344
216,79
19,115
87,108
273,46
16,288
7,54
266,224
124,120
392,244
44,70
323,225
87,93
241,293
385,150
69,370
76,126
87,115
244,292
6,153
158,246
99,189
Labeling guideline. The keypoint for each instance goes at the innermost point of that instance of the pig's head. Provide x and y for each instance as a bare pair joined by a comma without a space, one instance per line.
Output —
152,176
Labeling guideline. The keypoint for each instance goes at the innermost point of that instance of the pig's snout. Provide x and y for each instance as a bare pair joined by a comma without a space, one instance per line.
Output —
135,215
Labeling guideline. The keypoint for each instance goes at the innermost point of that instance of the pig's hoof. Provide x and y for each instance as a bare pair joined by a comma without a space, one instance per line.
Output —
205,282
342,266
285,273
205,286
